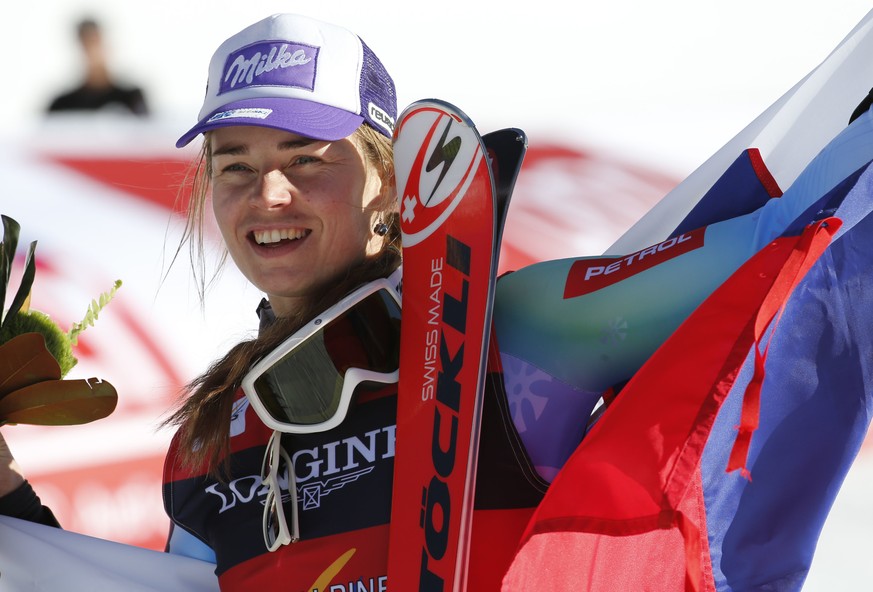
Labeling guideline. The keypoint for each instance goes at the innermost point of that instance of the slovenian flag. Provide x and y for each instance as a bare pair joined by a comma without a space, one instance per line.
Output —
716,465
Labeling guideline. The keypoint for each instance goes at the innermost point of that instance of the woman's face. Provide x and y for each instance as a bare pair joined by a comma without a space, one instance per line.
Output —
295,213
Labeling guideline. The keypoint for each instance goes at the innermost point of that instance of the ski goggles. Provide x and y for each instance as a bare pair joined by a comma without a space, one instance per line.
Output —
305,385
277,469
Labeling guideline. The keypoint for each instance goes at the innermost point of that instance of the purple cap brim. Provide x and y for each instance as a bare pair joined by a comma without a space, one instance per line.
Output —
299,116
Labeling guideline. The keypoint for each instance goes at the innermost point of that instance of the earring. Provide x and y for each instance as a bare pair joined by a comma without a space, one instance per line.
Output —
381,228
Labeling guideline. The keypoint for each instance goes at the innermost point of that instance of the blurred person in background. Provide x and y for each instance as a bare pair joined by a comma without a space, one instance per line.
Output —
99,90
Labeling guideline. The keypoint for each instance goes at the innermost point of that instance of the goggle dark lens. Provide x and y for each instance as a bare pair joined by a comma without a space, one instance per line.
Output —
304,387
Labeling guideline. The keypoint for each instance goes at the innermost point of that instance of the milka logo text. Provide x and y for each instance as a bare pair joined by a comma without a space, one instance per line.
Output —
270,64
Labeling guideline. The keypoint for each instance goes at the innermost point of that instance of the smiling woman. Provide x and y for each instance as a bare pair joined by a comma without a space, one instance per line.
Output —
300,181
298,167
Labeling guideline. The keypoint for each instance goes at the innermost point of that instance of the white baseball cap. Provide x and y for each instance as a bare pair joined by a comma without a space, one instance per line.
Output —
298,74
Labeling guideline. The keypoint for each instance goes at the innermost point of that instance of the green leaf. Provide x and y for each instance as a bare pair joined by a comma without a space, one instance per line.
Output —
25,360
92,312
26,282
11,229
59,402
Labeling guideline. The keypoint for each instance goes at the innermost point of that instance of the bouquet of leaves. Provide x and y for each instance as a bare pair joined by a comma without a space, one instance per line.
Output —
36,354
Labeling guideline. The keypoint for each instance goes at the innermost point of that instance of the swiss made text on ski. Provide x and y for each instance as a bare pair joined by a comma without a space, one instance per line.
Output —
452,210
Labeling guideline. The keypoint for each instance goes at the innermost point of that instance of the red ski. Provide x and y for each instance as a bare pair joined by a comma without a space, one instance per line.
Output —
451,212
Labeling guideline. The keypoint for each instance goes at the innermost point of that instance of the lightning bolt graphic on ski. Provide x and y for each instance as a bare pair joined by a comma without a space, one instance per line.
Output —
443,153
